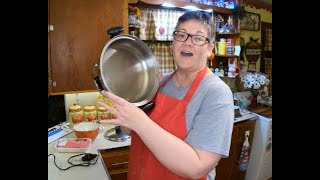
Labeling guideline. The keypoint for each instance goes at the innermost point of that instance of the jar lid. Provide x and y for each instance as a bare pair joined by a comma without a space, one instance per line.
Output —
102,109
89,108
74,107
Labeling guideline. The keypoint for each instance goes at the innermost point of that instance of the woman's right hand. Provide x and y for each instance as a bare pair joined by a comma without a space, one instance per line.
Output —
126,114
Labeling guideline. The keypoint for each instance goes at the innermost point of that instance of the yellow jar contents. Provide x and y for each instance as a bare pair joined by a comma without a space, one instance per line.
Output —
104,99
75,113
90,113
108,102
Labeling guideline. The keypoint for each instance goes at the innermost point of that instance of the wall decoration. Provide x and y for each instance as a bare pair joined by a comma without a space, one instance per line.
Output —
252,52
251,21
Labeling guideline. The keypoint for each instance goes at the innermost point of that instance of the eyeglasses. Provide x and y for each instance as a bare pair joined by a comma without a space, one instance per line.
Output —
196,39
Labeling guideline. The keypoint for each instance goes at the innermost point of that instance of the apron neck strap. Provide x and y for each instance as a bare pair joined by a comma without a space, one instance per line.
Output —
195,84
166,80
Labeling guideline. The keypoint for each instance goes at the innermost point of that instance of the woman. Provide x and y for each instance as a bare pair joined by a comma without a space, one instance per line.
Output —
190,127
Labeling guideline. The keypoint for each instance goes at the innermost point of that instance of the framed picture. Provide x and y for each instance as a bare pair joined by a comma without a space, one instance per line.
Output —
251,21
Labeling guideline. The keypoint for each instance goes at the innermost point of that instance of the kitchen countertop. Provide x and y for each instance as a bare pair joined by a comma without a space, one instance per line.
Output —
96,171
262,110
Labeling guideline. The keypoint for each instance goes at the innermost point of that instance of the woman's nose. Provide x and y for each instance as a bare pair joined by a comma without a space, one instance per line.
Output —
189,41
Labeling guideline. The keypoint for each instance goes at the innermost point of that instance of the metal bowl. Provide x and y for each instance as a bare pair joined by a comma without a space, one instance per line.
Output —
129,69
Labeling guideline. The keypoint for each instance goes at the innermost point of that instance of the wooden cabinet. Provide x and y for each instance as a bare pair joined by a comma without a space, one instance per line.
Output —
76,39
232,35
227,39
116,162
227,168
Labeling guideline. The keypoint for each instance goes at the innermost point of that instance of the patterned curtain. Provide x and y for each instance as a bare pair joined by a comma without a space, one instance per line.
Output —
158,24
268,40
268,70
146,24
164,56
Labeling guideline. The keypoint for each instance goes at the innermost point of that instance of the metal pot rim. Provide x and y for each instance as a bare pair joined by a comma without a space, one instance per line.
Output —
148,50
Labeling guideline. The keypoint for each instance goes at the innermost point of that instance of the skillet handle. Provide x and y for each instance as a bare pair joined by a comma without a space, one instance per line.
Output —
98,84
96,77
148,107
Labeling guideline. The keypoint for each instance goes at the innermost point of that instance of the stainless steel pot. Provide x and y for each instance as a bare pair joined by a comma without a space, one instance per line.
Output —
128,69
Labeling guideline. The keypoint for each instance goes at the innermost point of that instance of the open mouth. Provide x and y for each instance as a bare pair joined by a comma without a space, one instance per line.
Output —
186,53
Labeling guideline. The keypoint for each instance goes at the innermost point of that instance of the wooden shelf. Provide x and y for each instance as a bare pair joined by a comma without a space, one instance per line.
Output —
157,41
134,26
229,56
183,3
227,34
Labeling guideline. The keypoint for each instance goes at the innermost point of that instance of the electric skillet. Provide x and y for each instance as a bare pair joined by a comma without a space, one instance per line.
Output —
127,68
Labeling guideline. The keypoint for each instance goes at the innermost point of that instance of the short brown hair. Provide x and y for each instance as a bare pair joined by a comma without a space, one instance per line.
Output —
202,17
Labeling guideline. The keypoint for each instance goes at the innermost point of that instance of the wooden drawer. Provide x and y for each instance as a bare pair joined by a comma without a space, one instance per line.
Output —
116,160
122,176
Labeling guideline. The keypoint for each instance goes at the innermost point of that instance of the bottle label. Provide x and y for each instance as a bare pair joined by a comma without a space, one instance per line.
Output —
229,50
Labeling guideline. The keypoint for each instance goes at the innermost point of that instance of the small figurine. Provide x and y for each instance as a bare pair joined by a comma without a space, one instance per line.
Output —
264,91
221,73
216,72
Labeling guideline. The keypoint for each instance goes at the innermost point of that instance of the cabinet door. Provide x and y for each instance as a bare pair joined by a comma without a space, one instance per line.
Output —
122,176
248,125
49,75
116,162
78,38
227,168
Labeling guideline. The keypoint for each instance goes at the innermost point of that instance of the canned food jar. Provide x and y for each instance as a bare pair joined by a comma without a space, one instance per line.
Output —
90,113
75,113
103,113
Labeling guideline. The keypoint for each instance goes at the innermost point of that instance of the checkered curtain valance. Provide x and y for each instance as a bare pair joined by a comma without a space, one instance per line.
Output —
268,40
164,56
158,24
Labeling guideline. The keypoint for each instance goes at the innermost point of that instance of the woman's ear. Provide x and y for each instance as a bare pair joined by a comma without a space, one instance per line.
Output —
211,57
210,49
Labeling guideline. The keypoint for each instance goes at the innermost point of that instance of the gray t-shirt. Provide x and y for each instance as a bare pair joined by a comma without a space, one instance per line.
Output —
209,115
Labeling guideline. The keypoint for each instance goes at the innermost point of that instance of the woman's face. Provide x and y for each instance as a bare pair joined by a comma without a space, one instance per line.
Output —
188,56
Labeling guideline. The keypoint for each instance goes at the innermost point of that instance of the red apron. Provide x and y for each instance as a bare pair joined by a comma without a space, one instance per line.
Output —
169,113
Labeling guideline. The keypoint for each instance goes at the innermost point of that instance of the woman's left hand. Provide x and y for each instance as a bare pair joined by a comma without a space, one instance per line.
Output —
126,114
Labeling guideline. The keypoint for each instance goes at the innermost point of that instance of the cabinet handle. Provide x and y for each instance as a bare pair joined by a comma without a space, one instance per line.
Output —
52,83
50,28
121,163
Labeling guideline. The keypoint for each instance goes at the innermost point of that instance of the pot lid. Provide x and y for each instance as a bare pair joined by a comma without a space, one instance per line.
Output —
115,134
